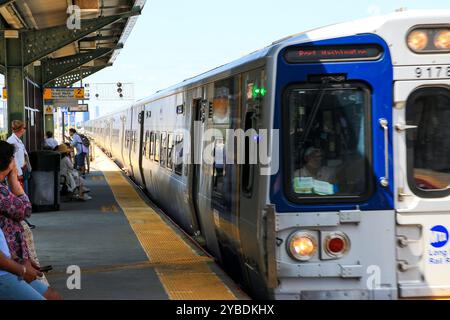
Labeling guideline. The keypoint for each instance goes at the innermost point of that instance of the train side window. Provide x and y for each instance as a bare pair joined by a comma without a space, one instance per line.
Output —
428,146
127,139
134,141
146,145
248,169
157,146
178,155
219,165
163,158
151,150
170,151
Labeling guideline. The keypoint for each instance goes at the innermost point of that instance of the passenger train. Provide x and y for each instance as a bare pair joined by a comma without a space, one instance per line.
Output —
349,196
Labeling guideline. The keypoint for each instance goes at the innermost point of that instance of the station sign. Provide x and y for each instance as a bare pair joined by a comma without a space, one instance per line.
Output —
63,93
79,108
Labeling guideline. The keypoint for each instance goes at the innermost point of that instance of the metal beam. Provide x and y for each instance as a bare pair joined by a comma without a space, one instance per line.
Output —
14,81
101,38
55,68
5,2
76,75
40,43
2,54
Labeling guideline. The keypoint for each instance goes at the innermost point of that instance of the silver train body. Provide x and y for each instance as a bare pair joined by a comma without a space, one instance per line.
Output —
240,215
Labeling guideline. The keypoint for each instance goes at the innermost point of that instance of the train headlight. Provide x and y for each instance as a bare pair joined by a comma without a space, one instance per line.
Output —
442,40
302,245
418,40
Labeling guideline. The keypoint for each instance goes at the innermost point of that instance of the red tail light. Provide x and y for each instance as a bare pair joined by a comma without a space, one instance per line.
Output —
337,244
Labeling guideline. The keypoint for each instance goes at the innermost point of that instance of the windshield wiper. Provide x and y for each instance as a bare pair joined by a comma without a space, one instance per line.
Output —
314,111
317,103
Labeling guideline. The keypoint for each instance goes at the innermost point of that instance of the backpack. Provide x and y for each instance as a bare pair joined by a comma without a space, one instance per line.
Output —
85,141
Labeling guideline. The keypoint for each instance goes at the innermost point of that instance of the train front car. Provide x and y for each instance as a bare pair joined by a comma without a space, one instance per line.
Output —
421,137
335,195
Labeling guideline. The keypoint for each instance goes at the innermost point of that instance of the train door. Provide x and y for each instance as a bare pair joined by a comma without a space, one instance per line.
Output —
198,119
123,119
143,144
225,186
128,140
422,166
249,204
137,144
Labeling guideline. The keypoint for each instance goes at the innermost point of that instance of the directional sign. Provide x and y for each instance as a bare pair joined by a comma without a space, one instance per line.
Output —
63,93
79,108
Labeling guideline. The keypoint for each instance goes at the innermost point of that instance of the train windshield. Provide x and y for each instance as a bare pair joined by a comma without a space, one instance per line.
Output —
428,141
329,142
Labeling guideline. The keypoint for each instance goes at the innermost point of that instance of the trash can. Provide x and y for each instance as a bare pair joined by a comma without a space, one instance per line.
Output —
44,181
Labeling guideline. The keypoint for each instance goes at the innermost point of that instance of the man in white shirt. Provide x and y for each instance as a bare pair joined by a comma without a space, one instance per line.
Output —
82,151
50,142
20,155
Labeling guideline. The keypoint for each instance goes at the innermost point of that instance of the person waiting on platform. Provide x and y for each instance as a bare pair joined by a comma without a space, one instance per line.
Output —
70,177
18,273
50,142
82,151
20,154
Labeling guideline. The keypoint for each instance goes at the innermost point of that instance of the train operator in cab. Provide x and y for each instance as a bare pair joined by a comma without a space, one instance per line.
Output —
313,177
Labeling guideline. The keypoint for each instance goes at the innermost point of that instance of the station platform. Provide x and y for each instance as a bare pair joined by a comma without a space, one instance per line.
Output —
124,247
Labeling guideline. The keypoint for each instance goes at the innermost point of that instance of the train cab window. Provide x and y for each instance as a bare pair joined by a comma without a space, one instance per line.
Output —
157,146
428,141
178,154
170,151
327,129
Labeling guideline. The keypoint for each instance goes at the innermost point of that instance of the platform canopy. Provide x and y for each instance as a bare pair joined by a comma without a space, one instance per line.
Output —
68,49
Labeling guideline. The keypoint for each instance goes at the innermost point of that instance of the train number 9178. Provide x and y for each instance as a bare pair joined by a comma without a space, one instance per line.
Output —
437,72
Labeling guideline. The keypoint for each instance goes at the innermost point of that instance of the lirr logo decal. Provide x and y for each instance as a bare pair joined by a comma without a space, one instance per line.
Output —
439,236
438,254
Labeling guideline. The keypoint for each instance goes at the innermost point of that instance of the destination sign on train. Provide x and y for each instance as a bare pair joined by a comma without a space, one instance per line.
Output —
332,53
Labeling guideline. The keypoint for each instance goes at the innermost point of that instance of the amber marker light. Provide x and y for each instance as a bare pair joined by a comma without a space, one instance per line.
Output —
417,40
442,40
302,246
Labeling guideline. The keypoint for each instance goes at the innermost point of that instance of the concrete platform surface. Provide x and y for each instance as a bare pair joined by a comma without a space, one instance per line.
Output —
123,247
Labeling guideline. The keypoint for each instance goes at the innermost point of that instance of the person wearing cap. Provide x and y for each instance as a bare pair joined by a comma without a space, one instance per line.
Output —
20,155
71,176
313,166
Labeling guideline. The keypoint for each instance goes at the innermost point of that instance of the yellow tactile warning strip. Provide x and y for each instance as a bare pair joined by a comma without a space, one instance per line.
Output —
183,273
